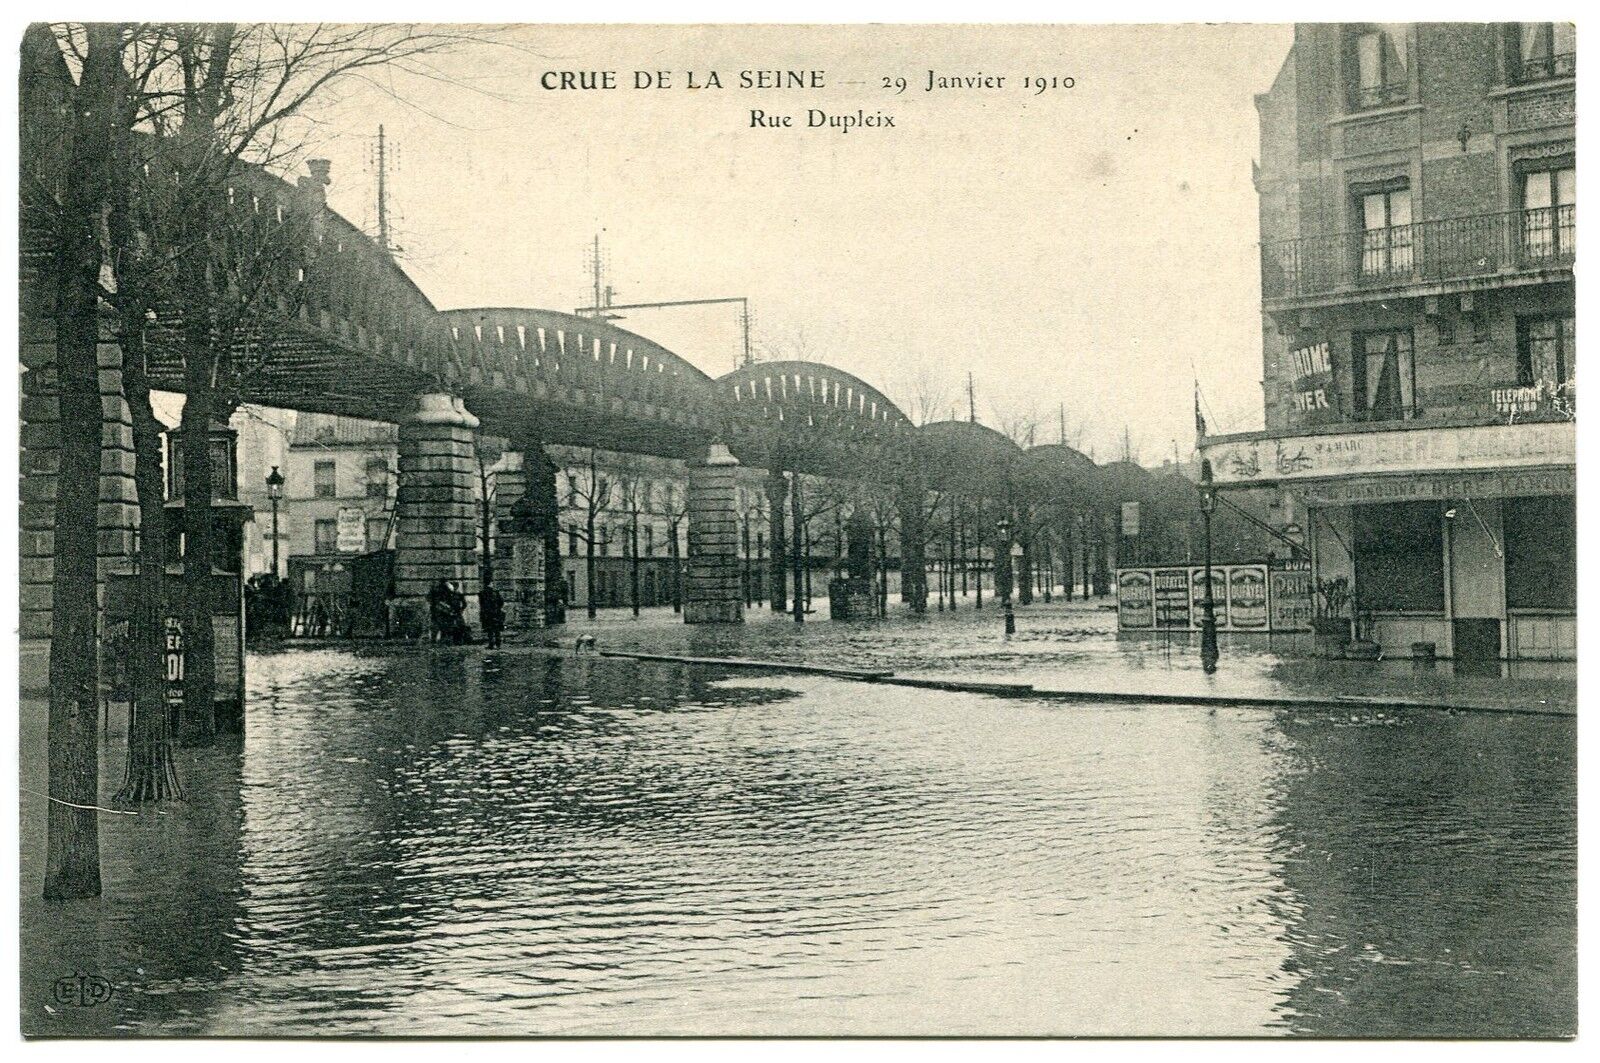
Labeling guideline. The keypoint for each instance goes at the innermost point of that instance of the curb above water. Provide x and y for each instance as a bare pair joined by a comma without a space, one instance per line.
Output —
1028,690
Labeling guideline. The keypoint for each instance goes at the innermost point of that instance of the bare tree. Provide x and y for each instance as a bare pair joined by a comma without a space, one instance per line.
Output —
926,395
1019,421
198,109
675,508
487,452
634,494
72,847
592,492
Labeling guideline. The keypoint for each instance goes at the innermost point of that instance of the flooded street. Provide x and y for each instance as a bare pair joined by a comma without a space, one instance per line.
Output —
450,841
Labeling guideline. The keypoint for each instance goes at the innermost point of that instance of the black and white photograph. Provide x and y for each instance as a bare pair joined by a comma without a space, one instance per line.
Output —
807,530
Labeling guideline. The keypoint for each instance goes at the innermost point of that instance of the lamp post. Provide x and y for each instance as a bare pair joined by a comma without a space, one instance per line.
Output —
275,495
1208,616
1004,526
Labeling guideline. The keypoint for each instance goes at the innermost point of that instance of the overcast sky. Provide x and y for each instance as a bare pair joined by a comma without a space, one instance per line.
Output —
1078,247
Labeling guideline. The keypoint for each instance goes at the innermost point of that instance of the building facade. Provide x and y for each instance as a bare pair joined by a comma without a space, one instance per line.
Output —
1418,211
339,487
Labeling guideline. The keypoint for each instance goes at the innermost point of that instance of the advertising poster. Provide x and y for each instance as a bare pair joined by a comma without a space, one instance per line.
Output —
1219,593
1247,597
1172,597
1135,605
352,530
1289,595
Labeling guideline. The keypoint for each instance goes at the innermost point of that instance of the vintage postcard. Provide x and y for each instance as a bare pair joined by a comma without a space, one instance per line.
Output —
831,530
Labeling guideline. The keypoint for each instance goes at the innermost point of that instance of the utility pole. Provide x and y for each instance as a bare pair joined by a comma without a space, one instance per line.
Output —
1062,413
595,271
972,400
383,194
744,323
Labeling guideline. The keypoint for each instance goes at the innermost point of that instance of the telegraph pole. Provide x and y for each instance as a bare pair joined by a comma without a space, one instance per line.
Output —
595,271
383,194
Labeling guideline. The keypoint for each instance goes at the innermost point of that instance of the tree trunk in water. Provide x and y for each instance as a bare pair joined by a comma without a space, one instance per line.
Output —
589,606
633,546
1024,576
72,840
777,492
794,550
149,773
677,573
198,723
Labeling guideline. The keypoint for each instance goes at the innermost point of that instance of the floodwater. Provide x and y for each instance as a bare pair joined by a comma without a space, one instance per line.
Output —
456,842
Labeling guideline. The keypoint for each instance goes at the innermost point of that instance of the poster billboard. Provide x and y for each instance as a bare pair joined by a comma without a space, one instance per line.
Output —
1135,602
1257,596
1219,593
1130,519
1247,597
1312,386
1289,594
352,526
1172,597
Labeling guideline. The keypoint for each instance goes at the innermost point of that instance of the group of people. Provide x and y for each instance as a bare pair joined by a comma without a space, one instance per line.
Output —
447,607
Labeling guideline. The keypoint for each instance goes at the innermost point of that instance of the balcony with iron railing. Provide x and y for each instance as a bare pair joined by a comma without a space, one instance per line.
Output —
1425,253
1544,68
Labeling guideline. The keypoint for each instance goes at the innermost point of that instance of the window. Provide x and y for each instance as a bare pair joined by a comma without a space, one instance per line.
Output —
649,540
1376,66
1399,557
377,532
1447,331
377,478
1385,373
326,537
1480,328
1547,350
1549,213
572,542
1537,51
1386,232
324,485
1541,543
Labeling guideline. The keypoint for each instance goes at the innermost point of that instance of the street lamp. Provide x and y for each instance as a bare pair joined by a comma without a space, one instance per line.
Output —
275,495
1208,618
1004,526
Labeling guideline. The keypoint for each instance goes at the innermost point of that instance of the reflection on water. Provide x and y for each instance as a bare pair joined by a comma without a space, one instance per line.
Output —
455,843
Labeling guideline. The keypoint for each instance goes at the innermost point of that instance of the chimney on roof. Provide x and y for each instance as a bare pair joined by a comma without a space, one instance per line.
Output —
316,186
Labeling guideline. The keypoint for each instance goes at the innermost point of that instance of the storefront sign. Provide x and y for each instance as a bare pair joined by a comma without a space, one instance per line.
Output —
1247,597
1410,450
1135,604
1514,484
1172,597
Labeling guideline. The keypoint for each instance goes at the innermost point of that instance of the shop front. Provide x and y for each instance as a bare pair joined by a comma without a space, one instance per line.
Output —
1459,541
